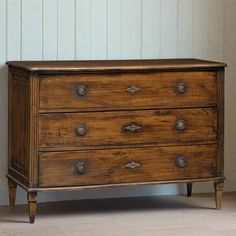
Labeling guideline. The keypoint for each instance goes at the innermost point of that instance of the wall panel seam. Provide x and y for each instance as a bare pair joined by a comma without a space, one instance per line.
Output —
57,30
20,29
178,28
6,31
159,30
224,31
107,29
75,29
90,32
121,7
193,21
208,31
160,37
43,29
141,28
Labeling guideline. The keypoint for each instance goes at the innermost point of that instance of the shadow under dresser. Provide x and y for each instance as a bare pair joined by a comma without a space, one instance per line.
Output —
91,124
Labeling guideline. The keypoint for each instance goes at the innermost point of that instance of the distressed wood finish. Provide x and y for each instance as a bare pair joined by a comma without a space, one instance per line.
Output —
112,66
126,165
111,128
93,124
18,163
117,91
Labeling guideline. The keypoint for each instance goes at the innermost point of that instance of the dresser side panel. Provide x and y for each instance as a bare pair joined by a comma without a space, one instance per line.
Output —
18,126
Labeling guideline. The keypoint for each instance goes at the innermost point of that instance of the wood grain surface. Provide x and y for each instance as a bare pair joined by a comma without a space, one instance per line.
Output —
109,128
105,91
114,65
110,166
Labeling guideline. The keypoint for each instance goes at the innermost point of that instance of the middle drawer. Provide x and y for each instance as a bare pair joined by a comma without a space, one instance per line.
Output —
75,130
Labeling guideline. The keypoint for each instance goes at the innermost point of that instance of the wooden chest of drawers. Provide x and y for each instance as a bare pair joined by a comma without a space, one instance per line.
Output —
89,124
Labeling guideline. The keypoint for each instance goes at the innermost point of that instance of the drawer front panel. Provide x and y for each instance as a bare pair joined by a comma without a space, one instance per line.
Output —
127,165
126,127
87,92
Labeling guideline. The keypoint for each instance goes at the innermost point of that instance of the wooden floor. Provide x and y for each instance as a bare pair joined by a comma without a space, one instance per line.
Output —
168,215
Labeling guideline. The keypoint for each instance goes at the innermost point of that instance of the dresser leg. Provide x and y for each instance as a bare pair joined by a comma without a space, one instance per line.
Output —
189,189
12,186
32,204
219,186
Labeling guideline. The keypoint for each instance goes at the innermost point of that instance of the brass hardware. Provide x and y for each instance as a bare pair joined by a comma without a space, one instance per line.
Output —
81,130
132,127
181,161
133,165
181,124
80,167
133,89
81,90
180,88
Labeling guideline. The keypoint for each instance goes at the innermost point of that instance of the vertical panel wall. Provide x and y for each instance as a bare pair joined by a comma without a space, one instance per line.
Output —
83,29
216,30
114,29
169,29
98,29
3,97
200,28
31,29
66,30
185,28
151,29
50,29
14,30
131,26
110,29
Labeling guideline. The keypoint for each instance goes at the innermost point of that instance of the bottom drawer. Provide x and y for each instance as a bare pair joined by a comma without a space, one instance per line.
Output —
132,165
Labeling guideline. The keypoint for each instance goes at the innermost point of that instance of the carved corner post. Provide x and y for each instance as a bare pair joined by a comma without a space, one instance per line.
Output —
33,142
189,189
32,204
12,186
219,186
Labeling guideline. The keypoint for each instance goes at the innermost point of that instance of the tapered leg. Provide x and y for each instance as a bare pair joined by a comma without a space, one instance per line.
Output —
219,186
32,204
12,192
189,189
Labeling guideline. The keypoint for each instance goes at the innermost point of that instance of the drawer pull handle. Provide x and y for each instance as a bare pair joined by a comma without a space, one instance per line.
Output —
80,167
180,88
81,90
81,130
181,162
133,127
181,124
133,89
133,165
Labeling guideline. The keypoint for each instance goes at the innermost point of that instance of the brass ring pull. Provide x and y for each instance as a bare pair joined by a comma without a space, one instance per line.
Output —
181,162
81,130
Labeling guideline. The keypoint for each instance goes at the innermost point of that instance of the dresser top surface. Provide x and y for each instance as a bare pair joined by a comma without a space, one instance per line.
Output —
114,65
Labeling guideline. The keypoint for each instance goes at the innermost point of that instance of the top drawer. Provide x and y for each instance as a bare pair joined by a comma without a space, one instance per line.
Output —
120,91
